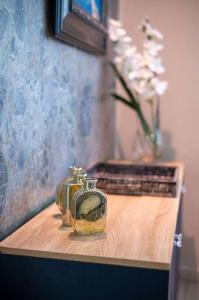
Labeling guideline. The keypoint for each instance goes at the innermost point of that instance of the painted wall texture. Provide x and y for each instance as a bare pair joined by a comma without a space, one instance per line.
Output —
54,111
179,22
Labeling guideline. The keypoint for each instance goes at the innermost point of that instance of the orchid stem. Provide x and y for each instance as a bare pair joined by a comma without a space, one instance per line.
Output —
132,103
138,110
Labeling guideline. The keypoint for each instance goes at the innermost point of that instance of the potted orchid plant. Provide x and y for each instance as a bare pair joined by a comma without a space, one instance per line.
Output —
138,74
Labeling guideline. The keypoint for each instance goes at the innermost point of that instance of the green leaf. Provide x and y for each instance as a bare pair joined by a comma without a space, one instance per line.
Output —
125,101
133,103
123,83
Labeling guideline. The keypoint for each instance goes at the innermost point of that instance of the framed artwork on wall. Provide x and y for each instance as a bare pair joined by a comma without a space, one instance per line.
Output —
82,23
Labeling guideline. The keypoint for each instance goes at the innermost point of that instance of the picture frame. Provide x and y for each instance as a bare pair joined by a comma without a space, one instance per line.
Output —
82,23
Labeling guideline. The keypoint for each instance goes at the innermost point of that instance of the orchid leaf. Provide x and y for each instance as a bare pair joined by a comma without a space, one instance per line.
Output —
122,99
123,83
138,110
133,103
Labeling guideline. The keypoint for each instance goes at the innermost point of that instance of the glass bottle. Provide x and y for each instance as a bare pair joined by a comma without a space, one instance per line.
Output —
88,210
60,192
71,188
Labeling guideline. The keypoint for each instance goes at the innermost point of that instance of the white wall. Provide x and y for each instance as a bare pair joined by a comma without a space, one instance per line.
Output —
178,20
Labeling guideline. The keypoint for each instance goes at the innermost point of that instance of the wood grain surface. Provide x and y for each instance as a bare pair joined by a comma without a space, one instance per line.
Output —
140,233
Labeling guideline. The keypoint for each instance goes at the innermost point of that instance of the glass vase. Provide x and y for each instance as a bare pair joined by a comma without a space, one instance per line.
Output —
147,148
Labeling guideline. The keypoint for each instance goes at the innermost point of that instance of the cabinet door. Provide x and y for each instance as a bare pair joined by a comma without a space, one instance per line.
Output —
175,256
39,278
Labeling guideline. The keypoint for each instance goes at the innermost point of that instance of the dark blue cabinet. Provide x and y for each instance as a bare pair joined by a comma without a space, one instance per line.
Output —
31,278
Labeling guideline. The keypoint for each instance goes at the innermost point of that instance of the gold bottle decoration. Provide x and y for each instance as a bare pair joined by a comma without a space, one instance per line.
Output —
61,191
70,189
88,211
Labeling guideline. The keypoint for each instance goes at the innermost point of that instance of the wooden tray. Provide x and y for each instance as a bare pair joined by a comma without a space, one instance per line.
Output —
133,179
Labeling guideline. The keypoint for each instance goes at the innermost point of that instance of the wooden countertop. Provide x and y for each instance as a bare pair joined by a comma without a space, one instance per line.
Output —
140,233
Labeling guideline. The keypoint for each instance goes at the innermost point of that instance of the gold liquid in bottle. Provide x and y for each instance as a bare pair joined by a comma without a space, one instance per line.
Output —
89,208
62,193
70,189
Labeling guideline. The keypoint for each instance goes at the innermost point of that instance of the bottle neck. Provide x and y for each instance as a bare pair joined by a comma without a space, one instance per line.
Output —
75,170
80,177
89,183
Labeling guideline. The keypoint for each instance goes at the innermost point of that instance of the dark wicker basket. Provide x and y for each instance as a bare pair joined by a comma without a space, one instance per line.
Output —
133,179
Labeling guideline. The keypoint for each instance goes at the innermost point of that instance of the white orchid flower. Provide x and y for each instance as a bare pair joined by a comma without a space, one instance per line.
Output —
122,45
152,47
145,91
127,68
151,32
130,51
116,33
127,39
149,94
117,60
154,63
140,74
115,30
138,61
140,70
154,33
130,64
145,73
132,75
159,86
114,23
138,86
156,66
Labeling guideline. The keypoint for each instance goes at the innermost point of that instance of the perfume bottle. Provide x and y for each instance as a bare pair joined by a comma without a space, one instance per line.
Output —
88,210
61,191
70,189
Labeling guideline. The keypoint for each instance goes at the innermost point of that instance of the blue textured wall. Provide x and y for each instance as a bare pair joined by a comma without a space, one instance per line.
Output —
54,111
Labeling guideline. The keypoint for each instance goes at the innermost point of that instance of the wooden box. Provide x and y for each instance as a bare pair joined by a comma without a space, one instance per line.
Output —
134,179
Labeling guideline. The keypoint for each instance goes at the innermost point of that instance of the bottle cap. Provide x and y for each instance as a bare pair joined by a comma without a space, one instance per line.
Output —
89,182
